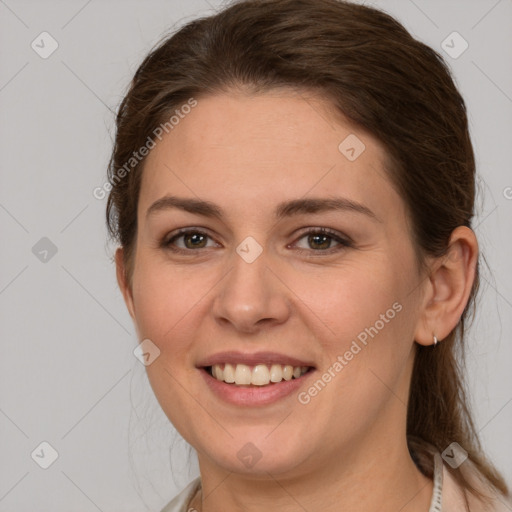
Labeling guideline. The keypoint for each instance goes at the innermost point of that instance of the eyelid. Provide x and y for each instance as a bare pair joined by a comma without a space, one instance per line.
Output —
327,231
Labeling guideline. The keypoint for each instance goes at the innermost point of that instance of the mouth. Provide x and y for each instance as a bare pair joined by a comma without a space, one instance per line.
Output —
255,379
257,375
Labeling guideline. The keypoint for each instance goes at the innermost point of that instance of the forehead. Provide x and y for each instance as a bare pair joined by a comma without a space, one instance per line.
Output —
243,150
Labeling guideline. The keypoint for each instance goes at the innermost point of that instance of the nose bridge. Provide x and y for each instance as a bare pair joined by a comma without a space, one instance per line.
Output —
250,293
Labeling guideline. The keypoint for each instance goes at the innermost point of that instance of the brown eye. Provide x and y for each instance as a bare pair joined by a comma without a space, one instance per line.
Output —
321,240
192,239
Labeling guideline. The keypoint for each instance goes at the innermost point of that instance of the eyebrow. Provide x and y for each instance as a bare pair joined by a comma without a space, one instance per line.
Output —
284,209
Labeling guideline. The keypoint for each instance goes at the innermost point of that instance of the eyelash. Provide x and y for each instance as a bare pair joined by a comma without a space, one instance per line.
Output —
344,243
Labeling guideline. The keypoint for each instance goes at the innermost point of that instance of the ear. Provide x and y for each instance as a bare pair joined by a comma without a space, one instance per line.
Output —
448,287
122,281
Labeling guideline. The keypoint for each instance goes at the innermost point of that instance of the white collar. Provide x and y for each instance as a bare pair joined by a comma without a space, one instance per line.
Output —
437,494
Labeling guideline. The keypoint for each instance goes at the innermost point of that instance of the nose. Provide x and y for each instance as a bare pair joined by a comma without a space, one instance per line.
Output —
251,296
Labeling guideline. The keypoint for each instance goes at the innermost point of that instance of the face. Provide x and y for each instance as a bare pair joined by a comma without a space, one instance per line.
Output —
255,282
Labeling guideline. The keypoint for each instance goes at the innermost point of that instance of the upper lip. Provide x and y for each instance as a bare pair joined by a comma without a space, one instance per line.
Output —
235,357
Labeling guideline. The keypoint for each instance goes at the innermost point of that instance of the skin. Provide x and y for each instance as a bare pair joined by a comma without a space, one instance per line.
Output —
346,449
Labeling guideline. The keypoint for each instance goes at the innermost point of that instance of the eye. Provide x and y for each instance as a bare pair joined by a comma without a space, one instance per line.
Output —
320,240
192,239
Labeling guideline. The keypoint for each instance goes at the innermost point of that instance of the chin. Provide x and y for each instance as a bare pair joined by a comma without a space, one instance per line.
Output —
257,456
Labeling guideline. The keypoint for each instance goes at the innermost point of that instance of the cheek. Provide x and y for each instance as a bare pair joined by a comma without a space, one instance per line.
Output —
163,297
374,324
344,302
166,301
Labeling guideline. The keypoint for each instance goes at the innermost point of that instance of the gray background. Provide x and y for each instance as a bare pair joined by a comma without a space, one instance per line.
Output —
68,373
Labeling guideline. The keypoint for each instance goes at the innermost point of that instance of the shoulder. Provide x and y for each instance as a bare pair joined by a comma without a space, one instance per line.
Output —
456,500
180,502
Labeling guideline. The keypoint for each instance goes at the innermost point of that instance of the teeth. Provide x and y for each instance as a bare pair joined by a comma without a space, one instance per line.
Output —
229,373
276,373
288,372
242,374
259,375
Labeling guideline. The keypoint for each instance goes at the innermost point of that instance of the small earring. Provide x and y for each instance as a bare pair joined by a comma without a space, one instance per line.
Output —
435,340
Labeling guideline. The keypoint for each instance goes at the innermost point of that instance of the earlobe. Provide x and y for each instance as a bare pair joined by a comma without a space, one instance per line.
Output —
451,281
122,281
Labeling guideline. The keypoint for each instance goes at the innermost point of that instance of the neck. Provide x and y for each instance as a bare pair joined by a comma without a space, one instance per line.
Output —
381,480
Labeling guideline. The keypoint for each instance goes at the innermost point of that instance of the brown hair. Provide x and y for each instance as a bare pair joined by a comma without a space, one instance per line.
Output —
382,80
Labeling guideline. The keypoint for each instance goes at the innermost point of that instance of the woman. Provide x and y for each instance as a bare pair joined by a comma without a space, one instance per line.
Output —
292,190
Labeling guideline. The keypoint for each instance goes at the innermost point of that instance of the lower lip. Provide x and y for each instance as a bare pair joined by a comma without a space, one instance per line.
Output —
254,395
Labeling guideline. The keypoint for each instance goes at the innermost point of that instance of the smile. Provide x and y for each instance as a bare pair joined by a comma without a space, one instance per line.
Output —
256,375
